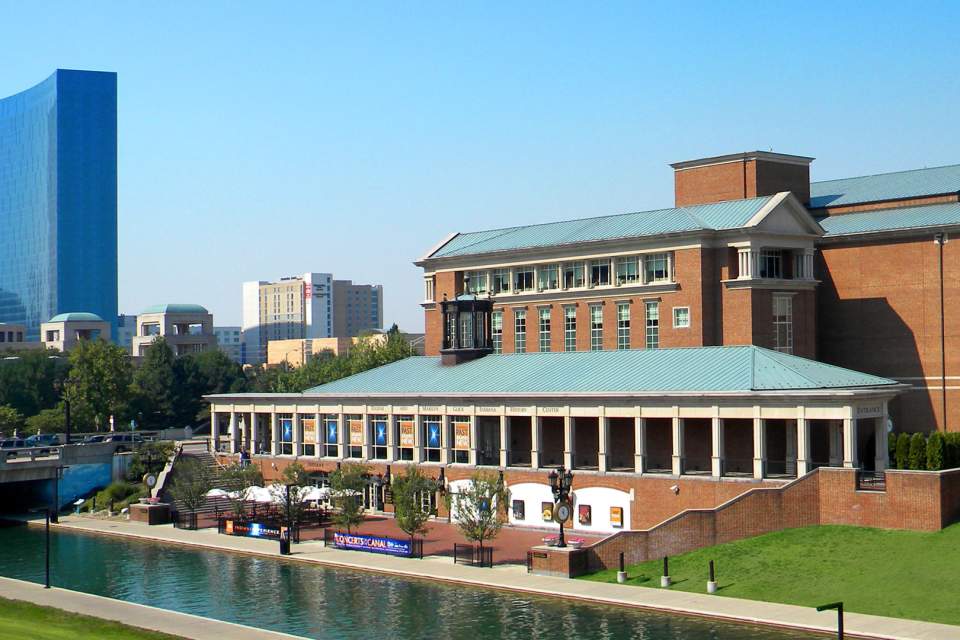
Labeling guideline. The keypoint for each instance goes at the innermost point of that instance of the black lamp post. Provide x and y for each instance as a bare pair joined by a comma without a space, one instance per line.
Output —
560,482
46,511
62,388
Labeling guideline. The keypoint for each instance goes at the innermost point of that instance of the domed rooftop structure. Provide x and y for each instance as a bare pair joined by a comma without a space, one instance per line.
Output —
175,308
76,316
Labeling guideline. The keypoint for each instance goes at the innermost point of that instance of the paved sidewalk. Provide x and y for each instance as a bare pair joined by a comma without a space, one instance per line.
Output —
135,615
515,578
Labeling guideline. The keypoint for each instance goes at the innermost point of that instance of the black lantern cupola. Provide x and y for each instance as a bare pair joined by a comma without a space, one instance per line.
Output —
466,328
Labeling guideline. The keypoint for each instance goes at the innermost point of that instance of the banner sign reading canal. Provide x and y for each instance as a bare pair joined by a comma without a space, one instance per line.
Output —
461,435
406,433
356,432
373,544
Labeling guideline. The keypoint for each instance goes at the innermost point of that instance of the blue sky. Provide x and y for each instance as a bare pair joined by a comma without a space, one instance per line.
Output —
259,139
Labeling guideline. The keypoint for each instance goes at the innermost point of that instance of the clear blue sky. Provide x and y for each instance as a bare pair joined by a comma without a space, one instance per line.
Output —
265,139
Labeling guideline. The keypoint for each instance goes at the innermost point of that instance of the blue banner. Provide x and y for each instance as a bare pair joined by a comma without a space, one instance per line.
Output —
380,434
286,430
373,544
331,433
433,436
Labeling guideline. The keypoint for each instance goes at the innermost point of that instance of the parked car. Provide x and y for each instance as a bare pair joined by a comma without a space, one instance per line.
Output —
43,440
126,438
12,443
93,439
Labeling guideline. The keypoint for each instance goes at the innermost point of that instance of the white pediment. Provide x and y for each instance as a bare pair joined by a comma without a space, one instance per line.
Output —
784,215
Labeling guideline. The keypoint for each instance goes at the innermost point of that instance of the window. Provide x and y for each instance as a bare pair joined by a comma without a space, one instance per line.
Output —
331,435
653,324
428,289
771,263
378,436
496,328
599,273
475,282
354,425
628,270
285,421
523,279
623,325
596,327
460,425
548,277
656,267
783,323
681,317
569,328
519,330
572,275
544,326
501,281
432,437
404,431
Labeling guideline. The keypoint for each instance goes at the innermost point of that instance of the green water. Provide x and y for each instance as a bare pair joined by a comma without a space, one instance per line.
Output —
326,603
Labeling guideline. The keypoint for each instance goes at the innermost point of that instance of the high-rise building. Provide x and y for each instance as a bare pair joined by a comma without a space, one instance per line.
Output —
229,341
58,199
293,307
126,331
356,308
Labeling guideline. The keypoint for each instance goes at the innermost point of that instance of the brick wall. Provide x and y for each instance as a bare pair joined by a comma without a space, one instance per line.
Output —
735,180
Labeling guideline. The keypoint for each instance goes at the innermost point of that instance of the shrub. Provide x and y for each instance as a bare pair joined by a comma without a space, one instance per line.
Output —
935,451
891,450
951,456
903,451
918,452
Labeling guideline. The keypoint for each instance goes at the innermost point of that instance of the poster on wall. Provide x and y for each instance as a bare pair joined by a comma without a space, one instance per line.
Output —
406,433
461,435
433,436
546,511
616,517
309,429
286,430
356,432
584,515
518,510
379,434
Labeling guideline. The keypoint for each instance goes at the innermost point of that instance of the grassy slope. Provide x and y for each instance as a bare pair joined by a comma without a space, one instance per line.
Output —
902,574
19,620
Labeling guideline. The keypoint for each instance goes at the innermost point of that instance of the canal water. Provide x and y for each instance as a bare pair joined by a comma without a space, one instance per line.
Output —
329,603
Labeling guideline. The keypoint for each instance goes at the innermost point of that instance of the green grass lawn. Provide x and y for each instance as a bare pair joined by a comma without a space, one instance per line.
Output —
903,574
19,620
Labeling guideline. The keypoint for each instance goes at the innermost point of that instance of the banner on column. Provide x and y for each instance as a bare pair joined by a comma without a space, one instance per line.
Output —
461,435
406,433
356,432
309,429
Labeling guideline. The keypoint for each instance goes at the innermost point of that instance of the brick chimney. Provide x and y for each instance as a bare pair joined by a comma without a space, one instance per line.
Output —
740,175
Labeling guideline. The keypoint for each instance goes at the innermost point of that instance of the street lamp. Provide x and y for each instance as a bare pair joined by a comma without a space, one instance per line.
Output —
61,388
46,583
560,482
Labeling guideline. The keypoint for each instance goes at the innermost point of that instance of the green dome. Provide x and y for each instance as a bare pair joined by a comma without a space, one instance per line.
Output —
175,308
76,316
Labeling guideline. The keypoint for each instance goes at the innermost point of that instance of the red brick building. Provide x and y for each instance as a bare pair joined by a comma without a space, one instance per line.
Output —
843,271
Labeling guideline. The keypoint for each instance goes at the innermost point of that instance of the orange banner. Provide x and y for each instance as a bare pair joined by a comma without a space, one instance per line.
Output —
406,433
309,430
356,432
461,435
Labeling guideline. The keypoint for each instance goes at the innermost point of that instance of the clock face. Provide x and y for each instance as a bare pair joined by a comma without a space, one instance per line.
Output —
150,480
563,511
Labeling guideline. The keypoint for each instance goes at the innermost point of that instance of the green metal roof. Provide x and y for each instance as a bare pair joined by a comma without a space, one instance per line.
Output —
701,369
175,308
76,316
732,214
929,216
885,186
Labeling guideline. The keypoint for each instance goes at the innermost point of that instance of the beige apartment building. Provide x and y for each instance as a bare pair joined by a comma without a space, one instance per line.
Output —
187,328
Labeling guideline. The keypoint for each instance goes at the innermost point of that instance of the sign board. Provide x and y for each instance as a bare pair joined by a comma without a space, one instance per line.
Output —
406,433
252,530
869,411
309,429
372,544
461,435
356,432
286,430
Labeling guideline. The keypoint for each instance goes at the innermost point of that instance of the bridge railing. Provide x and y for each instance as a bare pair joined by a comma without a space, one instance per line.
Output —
13,457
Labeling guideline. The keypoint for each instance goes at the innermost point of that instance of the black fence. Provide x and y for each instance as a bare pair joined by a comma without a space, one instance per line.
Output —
475,556
871,480
184,520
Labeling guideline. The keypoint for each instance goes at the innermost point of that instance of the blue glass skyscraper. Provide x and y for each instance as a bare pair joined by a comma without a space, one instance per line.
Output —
58,199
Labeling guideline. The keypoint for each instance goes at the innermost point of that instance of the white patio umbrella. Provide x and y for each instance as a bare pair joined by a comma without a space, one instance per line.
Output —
259,494
316,493
217,493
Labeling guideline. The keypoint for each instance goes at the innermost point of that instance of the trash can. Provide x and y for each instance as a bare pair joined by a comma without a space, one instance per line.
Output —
284,546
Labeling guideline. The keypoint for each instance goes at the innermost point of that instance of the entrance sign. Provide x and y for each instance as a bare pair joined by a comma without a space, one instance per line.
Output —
372,544
356,432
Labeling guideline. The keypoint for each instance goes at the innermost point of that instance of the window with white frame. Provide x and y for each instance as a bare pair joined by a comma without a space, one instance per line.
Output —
628,270
432,437
573,275
570,328
653,324
496,331
623,325
783,323
519,330
548,277
770,263
475,282
501,281
523,279
599,273
379,436
656,267
596,327
428,289
681,317
544,328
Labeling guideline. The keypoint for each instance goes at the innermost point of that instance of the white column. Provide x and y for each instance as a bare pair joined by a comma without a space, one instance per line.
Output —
391,439
503,441
791,437
803,444
343,436
473,431
320,437
639,444
716,429
759,446
254,433
446,440
418,456
603,426
880,427
214,431
274,433
232,431
297,436
835,440
850,443
568,437
677,429
535,431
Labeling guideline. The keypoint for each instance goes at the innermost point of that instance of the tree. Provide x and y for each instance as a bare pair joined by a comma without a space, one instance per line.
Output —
238,478
935,451
291,493
47,421
480,509
149,457
29,379
10,420
161,398
346,488
903,451
408,489
191,482
98,385
918,452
